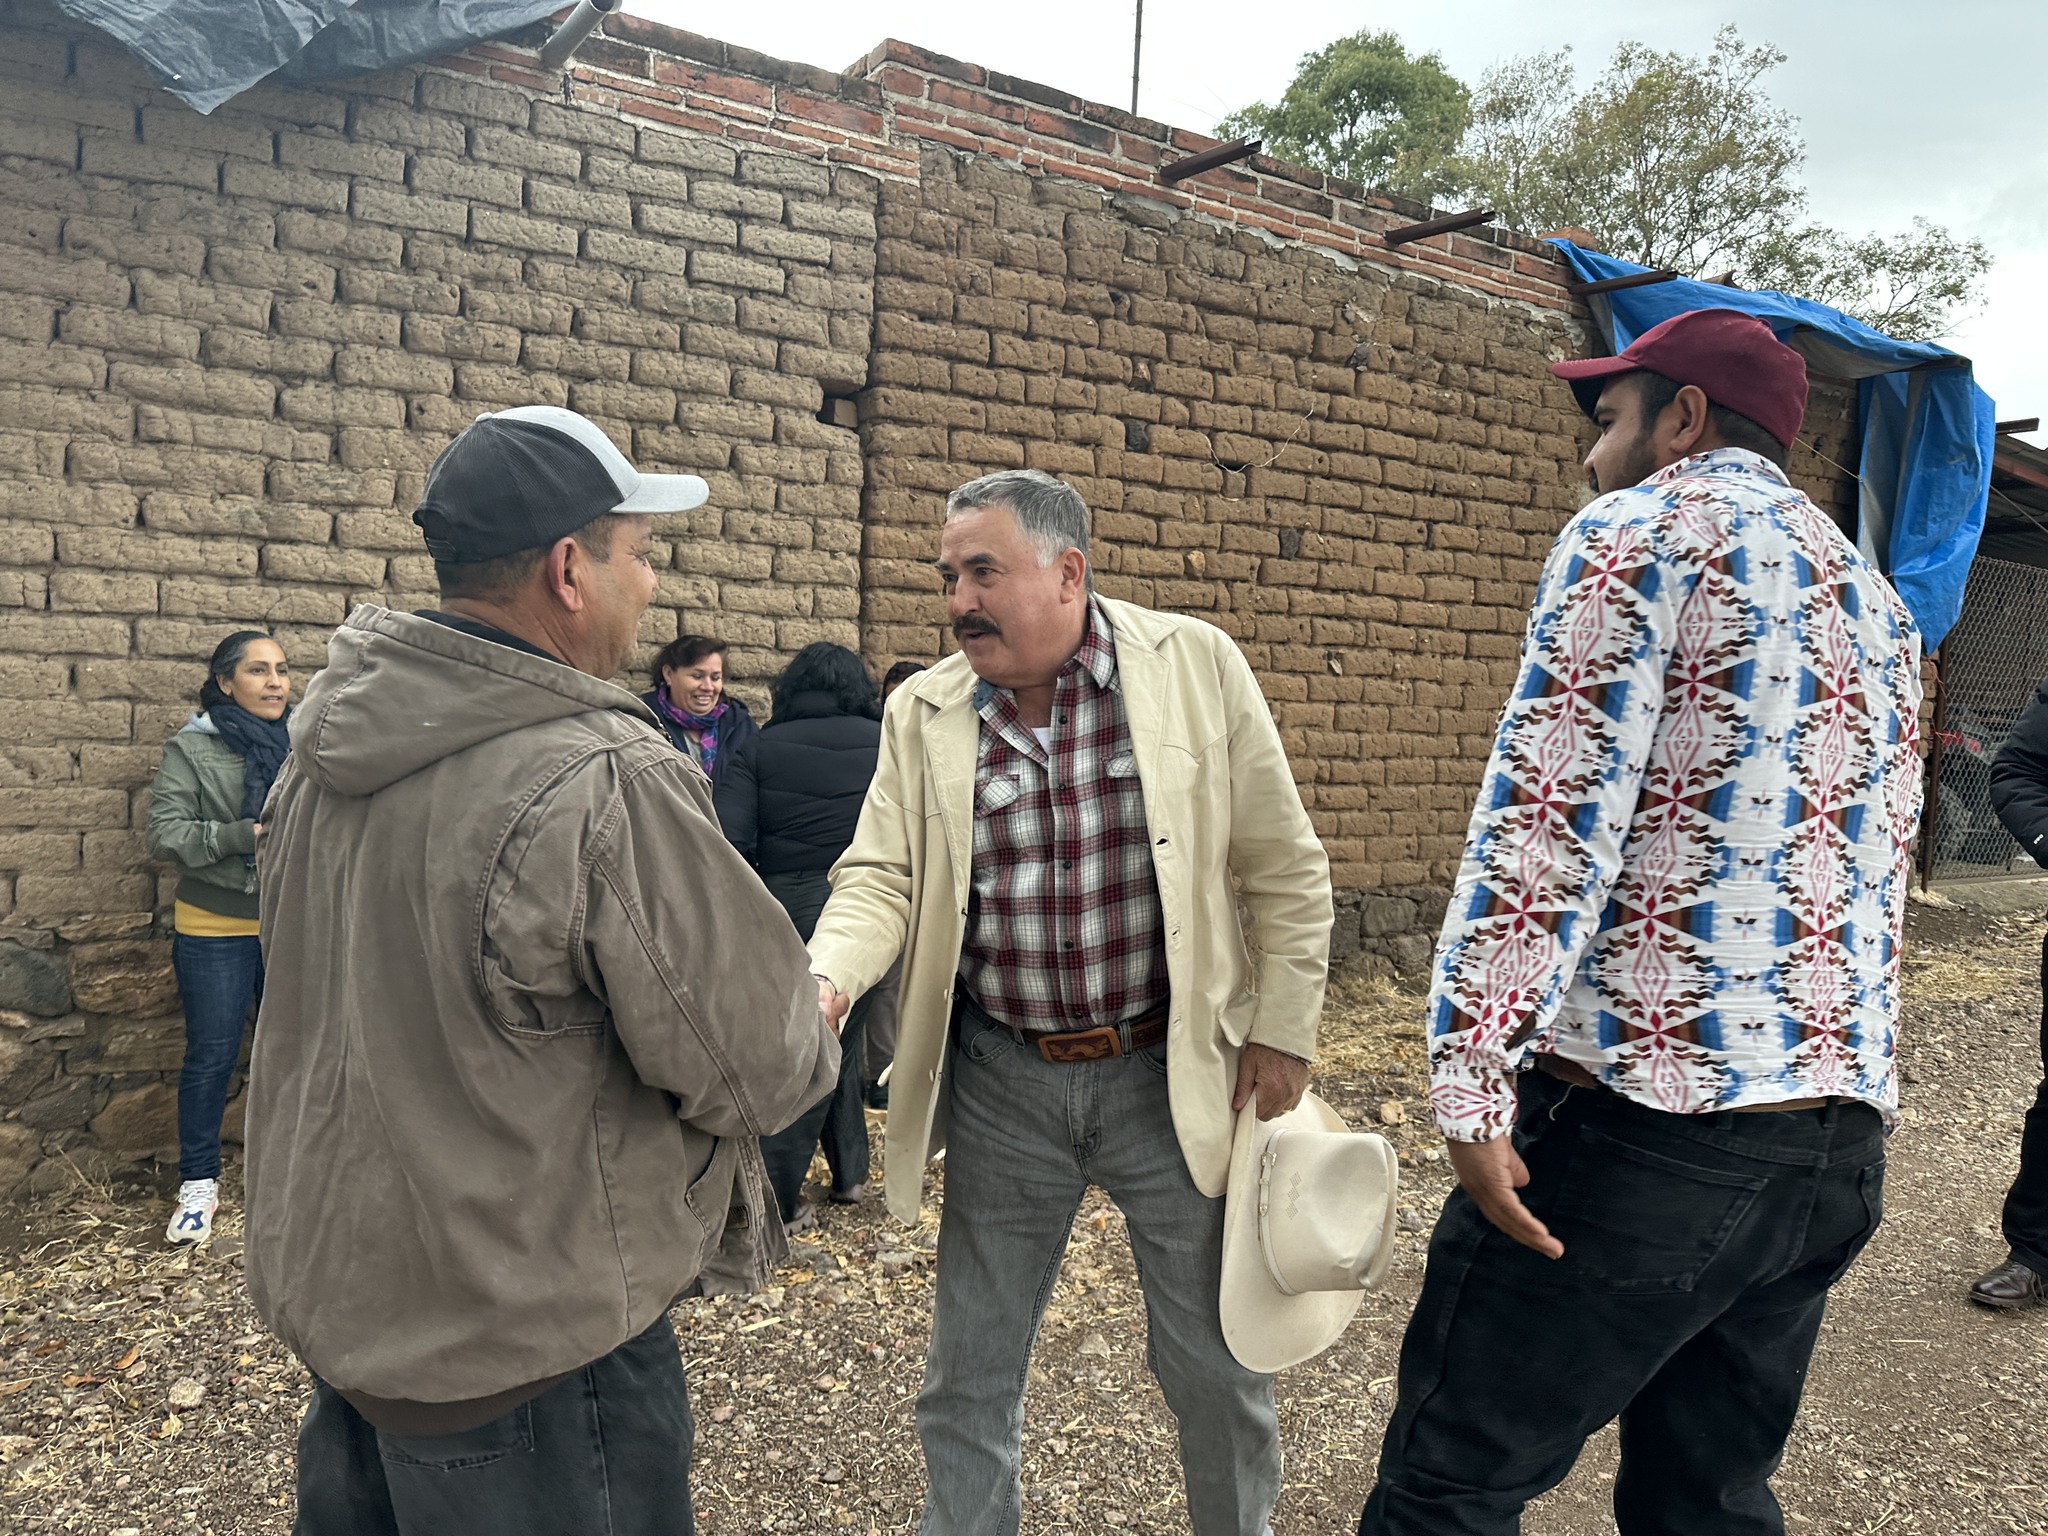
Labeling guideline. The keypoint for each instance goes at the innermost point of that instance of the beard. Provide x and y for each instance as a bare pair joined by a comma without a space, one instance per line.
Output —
1636,466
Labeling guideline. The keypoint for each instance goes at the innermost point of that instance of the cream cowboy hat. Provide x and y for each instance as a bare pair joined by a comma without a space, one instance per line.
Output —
1308,1229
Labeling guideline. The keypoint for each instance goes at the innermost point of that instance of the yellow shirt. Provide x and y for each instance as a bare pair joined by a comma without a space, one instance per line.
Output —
198,923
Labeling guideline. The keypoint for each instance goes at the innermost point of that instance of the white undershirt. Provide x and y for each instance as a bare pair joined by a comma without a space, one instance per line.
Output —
1044,735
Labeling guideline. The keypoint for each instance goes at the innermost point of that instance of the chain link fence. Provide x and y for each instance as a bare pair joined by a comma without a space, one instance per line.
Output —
1991,663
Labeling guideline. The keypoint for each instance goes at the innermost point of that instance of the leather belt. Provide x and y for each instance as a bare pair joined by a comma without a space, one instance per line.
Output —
1567,1071
1065,1047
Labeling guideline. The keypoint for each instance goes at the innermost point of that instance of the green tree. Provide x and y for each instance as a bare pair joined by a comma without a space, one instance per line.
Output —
1363,108
1685,162
1914,285
1668,159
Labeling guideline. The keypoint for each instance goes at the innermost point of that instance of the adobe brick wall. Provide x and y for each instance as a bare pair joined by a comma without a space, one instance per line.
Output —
230,346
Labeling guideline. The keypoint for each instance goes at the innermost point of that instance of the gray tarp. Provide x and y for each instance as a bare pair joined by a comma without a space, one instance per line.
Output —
206,51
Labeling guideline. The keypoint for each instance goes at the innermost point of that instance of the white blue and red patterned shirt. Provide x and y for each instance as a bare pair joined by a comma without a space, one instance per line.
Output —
1687,869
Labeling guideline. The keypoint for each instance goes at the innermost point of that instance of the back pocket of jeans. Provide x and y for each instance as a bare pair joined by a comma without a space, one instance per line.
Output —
1637,1221
511,1435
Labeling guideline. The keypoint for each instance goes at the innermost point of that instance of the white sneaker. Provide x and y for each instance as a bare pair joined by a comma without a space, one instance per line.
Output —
192,1221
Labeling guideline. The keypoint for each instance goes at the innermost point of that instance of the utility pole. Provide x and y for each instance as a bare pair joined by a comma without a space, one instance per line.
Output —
1137,49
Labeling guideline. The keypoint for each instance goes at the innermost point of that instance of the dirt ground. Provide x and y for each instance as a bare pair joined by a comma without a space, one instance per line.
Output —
138,1394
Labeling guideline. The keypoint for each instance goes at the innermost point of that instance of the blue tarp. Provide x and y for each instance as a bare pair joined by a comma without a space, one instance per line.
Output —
1927,428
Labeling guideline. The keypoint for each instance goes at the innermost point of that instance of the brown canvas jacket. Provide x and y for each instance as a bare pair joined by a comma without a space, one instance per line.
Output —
524,1010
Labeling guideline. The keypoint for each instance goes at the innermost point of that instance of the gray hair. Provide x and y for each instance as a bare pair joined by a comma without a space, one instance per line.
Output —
1050,513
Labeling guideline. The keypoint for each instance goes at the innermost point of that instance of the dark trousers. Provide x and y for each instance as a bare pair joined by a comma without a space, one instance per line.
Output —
839,1120
605,1451
218,980
1699,1250
2026,1205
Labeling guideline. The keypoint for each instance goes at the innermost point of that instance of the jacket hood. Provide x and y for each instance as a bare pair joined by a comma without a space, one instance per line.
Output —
400,692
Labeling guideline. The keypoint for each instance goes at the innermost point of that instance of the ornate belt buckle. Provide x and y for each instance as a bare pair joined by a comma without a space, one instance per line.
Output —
1085,1045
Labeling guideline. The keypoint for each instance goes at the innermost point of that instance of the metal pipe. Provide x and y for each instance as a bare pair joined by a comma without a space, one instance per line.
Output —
1137,49
568,37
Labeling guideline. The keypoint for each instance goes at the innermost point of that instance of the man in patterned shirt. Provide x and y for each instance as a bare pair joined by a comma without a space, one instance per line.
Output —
1064,820
1665,994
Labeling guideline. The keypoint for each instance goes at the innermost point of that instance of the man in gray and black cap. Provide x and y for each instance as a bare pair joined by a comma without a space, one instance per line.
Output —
507,1081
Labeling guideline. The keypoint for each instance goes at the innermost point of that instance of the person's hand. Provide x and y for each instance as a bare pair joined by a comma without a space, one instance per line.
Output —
1491,1172
832,1002
1278,1079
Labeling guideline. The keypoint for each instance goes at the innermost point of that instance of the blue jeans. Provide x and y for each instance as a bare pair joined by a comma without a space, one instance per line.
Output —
218,980
1698,1253
603,1452
1027,1140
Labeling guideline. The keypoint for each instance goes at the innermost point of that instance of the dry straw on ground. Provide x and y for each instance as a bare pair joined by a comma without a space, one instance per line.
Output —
139,1395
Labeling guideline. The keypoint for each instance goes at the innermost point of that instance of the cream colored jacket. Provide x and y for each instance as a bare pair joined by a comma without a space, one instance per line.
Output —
1227,825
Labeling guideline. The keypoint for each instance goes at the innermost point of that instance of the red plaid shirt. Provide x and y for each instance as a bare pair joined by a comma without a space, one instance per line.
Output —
1064,929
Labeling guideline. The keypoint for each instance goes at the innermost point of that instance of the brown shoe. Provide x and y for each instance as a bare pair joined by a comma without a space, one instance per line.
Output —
2012,1286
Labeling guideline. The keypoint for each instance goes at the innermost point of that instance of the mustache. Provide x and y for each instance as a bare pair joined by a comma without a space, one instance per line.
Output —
974,624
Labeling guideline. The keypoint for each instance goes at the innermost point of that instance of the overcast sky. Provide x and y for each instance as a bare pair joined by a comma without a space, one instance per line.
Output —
1907,107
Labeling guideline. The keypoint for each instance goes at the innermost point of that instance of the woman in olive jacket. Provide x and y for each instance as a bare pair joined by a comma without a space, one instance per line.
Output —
790,802
203,812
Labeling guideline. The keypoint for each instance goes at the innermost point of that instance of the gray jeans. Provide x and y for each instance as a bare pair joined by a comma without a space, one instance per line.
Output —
1027,1140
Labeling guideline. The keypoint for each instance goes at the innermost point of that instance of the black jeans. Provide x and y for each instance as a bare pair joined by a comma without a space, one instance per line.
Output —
1699,1250
839,1119
605,1452
2026,1205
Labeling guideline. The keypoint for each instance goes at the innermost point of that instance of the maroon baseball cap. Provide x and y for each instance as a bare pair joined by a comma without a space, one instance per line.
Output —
1733,358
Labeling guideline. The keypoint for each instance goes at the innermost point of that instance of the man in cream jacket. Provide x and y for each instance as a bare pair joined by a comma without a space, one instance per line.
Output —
1066,818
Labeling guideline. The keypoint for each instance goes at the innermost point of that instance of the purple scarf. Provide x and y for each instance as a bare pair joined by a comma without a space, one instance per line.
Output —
706,726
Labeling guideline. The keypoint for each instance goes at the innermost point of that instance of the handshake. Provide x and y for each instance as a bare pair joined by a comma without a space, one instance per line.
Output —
832,1002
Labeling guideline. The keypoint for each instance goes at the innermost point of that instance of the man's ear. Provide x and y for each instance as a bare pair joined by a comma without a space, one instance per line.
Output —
1073,574
1688,421
565,573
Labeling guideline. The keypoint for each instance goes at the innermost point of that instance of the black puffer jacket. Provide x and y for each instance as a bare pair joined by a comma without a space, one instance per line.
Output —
792,797
2019,779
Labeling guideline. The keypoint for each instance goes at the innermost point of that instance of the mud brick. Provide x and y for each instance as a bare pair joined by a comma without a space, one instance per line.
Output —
387,123
693,151
579,126
339,237
337,567
118,154
735,272
515,146
342,157
411,210
101,592
249,351
579,205
692,224
645,255
464,180
325,405
461,96
284,185
330,487
59,367
466,339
